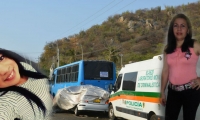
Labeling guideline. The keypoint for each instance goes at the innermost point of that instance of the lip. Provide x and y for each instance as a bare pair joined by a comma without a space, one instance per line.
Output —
11,76
178,33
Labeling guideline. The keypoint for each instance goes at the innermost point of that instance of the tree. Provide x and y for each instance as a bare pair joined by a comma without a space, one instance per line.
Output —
112,47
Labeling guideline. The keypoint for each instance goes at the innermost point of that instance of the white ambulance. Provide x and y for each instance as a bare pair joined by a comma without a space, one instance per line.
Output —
137,91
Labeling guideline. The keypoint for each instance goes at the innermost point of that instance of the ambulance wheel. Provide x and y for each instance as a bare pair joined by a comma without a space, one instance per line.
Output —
152,116
76,111
111,113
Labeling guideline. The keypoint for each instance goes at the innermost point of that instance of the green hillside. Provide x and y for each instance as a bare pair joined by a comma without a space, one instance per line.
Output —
135,36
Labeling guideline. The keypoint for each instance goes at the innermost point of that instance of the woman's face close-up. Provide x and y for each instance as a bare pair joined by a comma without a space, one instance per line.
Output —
180,29
9,72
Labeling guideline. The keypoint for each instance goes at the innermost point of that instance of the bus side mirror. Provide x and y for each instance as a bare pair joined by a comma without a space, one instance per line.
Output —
112,88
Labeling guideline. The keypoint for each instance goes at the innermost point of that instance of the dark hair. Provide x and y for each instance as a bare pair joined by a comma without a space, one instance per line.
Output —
31,97
171,40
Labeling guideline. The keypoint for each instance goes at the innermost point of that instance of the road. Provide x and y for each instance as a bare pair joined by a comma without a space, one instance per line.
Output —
87,115
91,115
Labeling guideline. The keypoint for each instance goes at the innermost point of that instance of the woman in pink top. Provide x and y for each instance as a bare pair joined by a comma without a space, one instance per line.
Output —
180,60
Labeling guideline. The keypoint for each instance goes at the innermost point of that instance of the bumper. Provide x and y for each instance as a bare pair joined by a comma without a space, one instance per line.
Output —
92,107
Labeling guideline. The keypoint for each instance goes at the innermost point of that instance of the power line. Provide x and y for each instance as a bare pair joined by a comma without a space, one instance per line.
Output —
96,17
127,5
104,12
100,14
87,18
111,8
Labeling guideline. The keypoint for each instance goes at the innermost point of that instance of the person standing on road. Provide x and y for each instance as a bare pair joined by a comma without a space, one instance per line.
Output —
24,91
180,60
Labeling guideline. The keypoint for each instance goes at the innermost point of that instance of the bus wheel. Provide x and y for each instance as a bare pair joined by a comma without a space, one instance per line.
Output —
111,113
76,111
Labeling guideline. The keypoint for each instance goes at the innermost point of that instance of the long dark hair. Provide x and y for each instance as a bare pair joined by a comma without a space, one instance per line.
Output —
31,97
171,40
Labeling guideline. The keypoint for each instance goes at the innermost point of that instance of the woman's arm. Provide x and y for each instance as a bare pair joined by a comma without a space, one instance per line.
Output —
165,73
196,82
197,47
164,80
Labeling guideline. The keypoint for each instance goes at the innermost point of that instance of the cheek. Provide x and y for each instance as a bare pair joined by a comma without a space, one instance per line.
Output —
16,69
174,30
17,72
185,33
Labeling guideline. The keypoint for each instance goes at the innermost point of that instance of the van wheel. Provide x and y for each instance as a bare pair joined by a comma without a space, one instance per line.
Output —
152,116
111,113
76,111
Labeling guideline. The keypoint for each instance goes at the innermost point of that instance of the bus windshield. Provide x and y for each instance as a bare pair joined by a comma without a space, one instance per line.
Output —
98,70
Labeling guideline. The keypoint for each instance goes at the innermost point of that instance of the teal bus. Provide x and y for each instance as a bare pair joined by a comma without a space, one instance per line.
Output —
84,72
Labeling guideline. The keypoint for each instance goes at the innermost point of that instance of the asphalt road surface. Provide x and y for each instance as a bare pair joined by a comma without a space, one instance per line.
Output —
87,115
92,115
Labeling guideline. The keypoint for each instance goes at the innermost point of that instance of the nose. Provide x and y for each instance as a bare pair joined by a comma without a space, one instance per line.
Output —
3,69
179,27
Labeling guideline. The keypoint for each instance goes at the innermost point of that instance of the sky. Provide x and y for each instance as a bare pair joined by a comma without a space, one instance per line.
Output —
26,26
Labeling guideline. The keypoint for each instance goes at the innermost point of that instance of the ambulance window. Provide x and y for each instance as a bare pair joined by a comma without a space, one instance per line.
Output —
129,81
118,82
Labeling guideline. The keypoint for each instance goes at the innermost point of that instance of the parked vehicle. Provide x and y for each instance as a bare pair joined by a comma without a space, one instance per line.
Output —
81,98
97,73
137,90
100,74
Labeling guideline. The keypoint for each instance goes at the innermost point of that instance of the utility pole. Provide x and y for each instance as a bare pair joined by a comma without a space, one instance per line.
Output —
58,59
121,59
82,51
52,45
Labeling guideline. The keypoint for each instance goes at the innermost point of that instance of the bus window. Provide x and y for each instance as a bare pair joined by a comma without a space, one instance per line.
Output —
62,75
73,77
65,76
98,70
72,73
76,76
58,76
68,69
68,77
54,76
129,81
66,80
69,73
76,72
57,79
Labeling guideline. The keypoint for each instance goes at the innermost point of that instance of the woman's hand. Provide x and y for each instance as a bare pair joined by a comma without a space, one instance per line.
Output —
196,83
163,98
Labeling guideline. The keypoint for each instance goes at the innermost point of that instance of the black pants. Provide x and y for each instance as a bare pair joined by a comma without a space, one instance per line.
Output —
188,99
